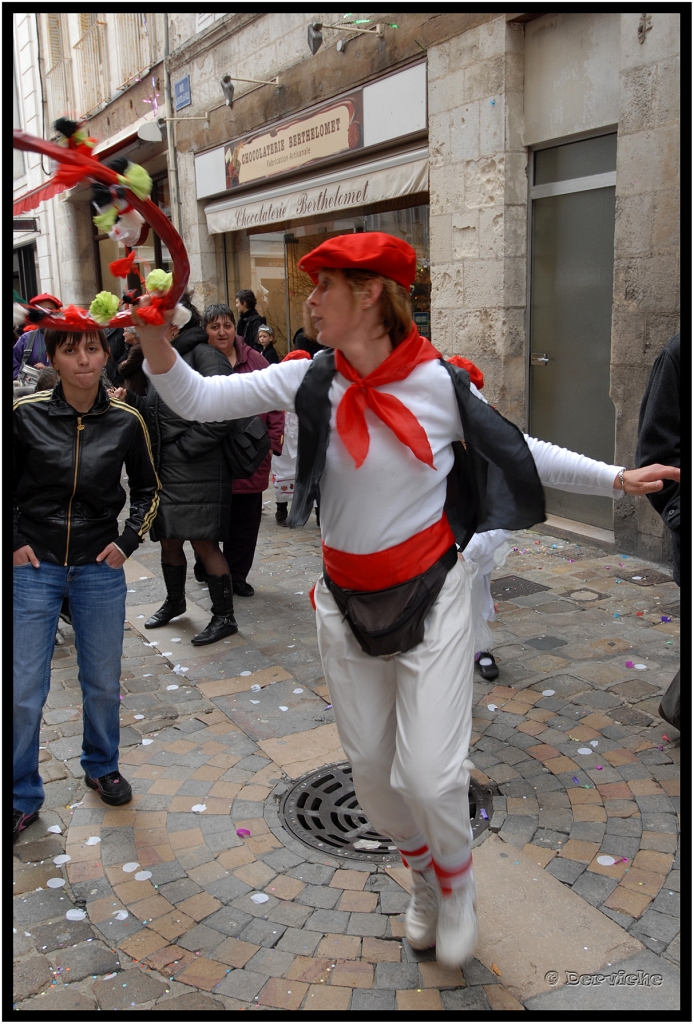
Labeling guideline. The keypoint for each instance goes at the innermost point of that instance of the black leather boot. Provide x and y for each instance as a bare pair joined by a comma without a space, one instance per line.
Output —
175,603
222,622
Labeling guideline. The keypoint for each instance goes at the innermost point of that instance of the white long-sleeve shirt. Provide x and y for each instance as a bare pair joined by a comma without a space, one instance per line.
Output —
392,496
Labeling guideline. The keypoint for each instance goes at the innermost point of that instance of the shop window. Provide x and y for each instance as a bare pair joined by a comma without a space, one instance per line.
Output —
268,264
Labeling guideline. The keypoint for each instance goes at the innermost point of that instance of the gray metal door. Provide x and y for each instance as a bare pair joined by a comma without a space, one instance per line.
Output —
572,257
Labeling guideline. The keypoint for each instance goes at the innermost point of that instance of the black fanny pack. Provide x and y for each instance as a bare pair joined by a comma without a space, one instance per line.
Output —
391,621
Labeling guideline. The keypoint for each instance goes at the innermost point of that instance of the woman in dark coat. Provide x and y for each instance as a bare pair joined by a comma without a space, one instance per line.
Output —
195,497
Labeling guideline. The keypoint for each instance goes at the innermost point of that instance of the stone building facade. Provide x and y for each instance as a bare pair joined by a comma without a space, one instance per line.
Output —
532,160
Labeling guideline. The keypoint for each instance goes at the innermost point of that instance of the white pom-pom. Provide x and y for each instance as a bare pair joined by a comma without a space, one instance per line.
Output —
181,316
127,228
19,314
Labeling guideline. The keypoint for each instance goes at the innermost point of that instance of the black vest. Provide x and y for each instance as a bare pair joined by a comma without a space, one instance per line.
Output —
493,484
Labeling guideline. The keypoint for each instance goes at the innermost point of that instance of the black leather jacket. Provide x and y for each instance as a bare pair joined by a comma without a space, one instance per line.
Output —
66,478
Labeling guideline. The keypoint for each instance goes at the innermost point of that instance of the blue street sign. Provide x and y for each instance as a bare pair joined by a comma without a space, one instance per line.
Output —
182,93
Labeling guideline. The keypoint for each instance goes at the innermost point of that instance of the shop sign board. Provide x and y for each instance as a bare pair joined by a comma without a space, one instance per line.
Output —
328,131
352,191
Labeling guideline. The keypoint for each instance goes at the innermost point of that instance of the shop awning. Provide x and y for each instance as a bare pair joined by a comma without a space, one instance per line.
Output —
360,185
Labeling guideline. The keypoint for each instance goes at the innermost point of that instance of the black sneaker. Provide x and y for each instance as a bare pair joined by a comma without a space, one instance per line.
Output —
243,589
112,788
21,821
282,512
487,666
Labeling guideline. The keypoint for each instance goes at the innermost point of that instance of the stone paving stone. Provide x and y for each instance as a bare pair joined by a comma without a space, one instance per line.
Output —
244,985
61,933
263,933
473,1000
367,924
330,921
126,988
421,1001
435,975
190,1002
315,874
565,870
321,997
396,975
291,914
594,888
31,976
282,994
234,952
626,901
298,941
312,970
319,896
352,974
201,938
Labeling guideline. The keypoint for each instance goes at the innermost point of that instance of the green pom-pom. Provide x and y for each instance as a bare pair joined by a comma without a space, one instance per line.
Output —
137,180
105,221
158,281
104,307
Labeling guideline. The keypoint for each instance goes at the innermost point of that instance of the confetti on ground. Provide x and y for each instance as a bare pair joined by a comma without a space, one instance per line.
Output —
246,673
483,814
93,841
628,664
255,687
172,686
299,689
548,693
242,832
76,915
594,743
259,897
255,702
492,707
574,779
198,808
55,883
55,829
584,750
665,618
142,876
495,969
367,844
146,742
641,668
606,860
107,977
138,717
120,915
283,708
62,858
131,866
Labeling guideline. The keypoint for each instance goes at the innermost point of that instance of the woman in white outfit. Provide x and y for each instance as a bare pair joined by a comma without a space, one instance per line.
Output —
380,421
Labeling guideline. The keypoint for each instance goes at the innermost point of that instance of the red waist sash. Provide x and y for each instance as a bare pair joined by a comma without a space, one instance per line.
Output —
394,565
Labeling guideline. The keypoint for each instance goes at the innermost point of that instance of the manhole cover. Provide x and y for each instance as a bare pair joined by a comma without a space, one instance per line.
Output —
322,811
647,578
583,595
508,587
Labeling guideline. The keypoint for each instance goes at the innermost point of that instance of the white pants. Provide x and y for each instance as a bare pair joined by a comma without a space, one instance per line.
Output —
405,721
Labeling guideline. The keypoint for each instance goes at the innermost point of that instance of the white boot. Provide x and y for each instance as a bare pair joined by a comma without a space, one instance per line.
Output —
456,932
422,912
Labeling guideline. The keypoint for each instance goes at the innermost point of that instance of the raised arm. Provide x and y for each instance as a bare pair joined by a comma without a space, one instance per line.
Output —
569,471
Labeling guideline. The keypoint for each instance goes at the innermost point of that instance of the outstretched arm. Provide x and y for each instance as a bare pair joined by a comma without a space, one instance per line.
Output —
569,471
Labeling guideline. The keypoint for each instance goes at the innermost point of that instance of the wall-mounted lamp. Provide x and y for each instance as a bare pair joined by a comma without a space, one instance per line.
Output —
315,34
227,83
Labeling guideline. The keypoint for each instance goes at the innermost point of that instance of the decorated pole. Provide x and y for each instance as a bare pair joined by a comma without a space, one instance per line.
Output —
75,167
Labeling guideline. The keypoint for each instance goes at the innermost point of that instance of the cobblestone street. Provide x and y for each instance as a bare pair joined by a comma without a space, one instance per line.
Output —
171,909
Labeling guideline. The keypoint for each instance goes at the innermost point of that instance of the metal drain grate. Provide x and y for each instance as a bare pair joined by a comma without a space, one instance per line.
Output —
647,578
322,811
508,587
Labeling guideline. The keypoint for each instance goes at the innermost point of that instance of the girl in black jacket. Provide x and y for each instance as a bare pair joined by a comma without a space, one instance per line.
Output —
195,491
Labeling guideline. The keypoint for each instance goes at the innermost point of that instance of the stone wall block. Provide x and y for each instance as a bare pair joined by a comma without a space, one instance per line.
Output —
443,329
440,139
465,234
462,50
628,334
633,224
637,109
491,234
446,189
492,37
437,62
483,284
480,332
514,116
465,132
515,72
516,230
441,244
516,182
667,91
447,285
509,398
515,276
484,182
647,284
485,78
515,38
663,41
448,92
660,327
492,125
648,161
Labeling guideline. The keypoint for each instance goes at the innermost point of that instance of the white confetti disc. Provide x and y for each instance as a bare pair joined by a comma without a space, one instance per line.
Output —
107,977
120,915
593,743
642,668
283,708
175,640
142,876
62,858
255,702
485,661
166,654
55,829
637,577
146,742
172,686
259,897
131,866
147,675
198,808
548,693
55,883
76,915
255,687
492,707
140,616
246,673
93,841
138,717
299,689
606,860
584,750
298,592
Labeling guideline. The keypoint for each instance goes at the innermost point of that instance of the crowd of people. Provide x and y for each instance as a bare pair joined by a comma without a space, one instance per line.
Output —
371,419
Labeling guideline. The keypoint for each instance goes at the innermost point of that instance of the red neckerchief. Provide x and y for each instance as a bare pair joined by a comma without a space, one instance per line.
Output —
351,421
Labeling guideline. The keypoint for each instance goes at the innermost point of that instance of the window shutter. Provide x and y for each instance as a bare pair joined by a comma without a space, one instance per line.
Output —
55,38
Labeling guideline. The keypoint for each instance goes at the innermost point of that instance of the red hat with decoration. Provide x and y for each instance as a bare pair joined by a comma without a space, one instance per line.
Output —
367,250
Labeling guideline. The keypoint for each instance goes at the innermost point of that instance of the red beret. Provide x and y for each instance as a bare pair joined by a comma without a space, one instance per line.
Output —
476,375
367,250
45,297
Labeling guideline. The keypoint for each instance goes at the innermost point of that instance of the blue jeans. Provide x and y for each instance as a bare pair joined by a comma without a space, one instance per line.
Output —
96,593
